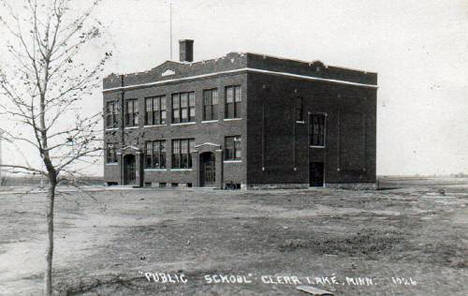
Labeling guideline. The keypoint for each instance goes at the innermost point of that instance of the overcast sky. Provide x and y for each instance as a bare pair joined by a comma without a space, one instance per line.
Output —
419,49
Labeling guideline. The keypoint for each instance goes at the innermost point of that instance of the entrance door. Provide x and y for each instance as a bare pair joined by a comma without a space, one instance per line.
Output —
129,169
207,169
316,174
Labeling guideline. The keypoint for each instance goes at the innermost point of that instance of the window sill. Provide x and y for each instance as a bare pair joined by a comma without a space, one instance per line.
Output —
183,123
112,163
155,170
154,125
112,129
316,146
132,127
300,122
181,170
232,161
232,119
209,121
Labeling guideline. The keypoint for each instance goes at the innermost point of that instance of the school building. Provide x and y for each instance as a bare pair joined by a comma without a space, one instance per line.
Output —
243,120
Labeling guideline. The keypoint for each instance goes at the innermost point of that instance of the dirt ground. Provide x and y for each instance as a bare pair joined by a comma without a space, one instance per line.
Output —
403,241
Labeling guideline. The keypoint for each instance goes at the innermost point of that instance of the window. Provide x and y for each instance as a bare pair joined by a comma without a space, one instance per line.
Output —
131,112
233,102
183,107
111,153
299,109
181,153
155,110
232,148
210,104
317,130
111,114
155,155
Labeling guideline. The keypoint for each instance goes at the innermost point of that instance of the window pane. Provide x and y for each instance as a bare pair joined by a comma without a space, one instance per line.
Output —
184,100
206,113
237,94
237,147
229,94
175,153
238,110
148,161
149,105
176,146
156,160
206,98
230,110
192,113
192,99
163,103
163,160
175,161
215,96
184,115
175,101
317,136
184,146
149,147
229,147
156,118
175,115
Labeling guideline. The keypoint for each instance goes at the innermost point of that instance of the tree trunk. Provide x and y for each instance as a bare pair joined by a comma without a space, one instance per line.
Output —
50,234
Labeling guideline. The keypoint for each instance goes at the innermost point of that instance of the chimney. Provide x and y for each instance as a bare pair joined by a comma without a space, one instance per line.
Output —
186,50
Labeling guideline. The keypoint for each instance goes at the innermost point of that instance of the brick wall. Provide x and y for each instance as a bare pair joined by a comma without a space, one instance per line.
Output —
349,155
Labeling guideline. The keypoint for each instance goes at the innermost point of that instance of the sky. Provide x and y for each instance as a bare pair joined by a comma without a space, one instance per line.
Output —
418,48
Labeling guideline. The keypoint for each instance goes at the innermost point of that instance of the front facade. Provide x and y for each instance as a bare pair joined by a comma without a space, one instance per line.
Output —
241,121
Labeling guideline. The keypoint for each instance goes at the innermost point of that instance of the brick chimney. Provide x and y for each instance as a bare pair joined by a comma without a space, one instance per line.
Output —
186,50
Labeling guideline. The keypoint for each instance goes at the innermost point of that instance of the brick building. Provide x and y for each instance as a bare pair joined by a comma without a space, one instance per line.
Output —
244,119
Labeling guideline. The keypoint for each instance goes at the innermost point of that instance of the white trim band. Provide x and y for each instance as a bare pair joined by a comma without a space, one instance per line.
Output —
154,125
183,123
149,84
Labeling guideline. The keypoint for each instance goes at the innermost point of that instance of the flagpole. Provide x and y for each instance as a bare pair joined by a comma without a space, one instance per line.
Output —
170,29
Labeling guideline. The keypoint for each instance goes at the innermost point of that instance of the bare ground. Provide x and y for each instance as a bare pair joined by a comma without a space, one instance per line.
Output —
105,242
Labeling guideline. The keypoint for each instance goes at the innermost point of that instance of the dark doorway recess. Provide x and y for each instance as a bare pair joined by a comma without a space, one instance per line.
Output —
316,174
129,169
207,169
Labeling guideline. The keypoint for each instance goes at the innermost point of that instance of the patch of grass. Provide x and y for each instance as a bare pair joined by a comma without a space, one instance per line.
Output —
367,242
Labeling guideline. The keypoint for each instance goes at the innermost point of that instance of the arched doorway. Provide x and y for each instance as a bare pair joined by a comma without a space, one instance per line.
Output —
207,169
129,169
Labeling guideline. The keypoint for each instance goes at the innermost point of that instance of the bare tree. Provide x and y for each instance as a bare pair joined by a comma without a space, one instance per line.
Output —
43,84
